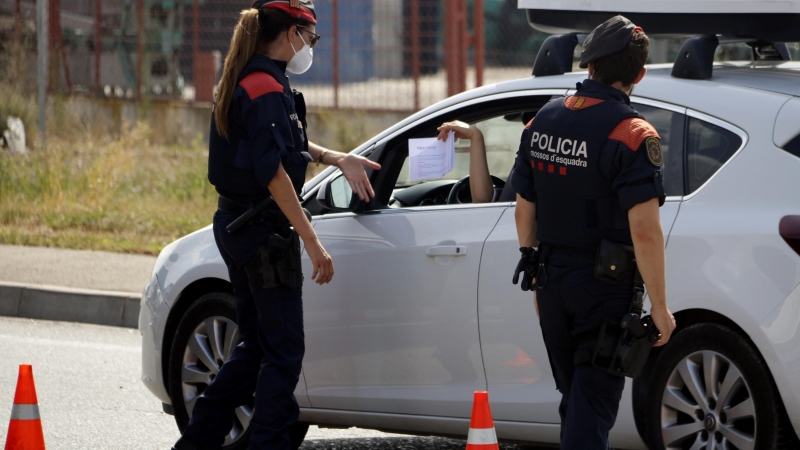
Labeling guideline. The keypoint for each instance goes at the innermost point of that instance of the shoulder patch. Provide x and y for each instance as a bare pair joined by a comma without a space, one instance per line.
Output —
632,132
577,103
259,83
654,153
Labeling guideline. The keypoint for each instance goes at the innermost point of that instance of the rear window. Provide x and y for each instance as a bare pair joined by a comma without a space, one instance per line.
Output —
670,126
793,146
708,148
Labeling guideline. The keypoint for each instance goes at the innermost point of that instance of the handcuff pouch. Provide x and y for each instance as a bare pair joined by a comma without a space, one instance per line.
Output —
276,263
290,273
614,261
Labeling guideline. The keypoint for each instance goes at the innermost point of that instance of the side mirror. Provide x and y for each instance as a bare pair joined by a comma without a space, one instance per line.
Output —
337,195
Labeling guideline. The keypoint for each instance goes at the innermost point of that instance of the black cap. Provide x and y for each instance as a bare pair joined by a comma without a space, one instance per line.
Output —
609,37
305,12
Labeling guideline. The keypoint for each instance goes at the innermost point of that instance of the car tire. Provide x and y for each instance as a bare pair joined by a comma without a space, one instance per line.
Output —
216,311
680,413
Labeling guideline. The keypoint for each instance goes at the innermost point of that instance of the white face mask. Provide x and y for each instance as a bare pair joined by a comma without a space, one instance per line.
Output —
301,61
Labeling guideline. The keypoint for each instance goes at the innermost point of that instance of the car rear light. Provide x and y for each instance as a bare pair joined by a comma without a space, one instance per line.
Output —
789,228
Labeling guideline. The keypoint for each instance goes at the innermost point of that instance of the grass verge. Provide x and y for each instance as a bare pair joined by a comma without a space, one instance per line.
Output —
128,193
133,191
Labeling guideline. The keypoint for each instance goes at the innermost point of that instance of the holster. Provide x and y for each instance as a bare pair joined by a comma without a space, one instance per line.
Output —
622,347
277,263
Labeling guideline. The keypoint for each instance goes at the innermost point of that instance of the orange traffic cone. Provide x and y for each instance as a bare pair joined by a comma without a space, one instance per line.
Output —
481,427
25,429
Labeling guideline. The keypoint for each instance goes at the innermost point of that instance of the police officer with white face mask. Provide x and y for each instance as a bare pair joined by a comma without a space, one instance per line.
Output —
258,154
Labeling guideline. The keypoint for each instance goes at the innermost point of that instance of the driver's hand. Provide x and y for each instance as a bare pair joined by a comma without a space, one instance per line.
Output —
463,130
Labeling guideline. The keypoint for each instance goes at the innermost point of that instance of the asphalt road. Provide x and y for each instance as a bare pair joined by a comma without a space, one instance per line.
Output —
90,396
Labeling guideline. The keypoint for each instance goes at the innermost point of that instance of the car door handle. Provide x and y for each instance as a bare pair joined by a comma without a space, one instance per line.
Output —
447,250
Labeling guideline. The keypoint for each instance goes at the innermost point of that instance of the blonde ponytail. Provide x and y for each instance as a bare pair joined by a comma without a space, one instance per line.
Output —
244,44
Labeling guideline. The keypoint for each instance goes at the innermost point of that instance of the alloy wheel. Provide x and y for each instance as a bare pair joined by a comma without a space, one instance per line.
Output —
707,404
210,345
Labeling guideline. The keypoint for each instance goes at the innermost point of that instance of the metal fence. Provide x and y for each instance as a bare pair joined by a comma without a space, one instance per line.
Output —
398,55
375,54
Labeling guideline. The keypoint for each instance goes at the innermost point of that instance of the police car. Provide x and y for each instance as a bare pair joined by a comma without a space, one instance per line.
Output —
422,312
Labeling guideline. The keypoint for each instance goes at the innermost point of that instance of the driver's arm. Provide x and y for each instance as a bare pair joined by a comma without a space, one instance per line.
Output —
480,183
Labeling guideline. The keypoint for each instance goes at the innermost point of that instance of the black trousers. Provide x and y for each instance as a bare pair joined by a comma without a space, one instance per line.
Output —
268,360
572,302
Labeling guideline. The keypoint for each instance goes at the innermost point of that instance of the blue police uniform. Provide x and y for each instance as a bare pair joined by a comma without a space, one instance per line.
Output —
585,160
266,127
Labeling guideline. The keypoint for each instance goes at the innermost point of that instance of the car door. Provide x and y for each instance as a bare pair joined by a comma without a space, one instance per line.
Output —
396,331
521,385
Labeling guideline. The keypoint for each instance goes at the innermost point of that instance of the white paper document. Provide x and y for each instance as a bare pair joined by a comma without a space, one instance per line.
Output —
431,158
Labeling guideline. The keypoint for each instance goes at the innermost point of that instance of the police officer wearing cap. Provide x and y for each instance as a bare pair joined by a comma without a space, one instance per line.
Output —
258,154
588,172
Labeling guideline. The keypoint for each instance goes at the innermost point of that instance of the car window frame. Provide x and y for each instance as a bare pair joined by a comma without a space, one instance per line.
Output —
676,109
377,147
691,113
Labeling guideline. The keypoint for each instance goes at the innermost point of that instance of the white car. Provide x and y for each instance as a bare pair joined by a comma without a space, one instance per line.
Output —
421,312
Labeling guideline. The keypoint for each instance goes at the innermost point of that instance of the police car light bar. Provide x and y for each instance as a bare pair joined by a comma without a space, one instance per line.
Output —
767,20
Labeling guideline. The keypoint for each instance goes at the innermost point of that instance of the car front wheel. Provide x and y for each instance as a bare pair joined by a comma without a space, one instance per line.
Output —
204,340
710,389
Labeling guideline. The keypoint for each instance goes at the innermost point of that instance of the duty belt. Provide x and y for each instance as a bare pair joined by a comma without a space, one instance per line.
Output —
580,253
545,250
236,209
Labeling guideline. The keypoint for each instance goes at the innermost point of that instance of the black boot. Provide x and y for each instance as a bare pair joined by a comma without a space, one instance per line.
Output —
185,444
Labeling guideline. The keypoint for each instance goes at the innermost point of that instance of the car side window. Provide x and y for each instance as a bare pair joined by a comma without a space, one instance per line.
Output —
501,136
670,126
501,140
708,147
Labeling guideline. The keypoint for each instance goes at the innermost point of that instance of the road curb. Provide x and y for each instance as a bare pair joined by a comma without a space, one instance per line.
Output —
119,309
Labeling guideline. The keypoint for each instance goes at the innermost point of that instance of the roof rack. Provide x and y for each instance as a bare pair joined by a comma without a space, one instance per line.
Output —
770,51
555,55
696,57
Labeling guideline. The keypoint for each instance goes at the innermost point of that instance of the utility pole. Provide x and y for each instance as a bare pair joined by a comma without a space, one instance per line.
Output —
41,53
139,47
335,38
98,45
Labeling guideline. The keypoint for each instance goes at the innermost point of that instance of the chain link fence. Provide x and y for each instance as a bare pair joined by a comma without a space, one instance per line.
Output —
374,54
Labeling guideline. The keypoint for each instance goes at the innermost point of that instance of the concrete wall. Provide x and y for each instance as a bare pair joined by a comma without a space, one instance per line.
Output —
173,121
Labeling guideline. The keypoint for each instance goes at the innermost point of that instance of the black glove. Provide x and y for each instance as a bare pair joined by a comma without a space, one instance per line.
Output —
528,265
